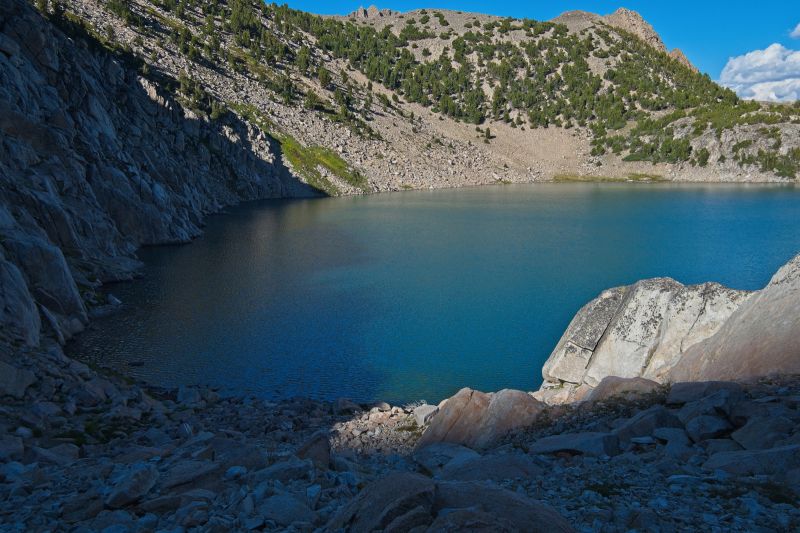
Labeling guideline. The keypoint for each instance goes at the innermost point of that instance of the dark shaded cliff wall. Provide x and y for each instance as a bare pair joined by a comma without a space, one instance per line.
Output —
96,161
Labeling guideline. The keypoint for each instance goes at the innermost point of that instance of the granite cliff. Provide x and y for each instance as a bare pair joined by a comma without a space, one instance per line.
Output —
96,161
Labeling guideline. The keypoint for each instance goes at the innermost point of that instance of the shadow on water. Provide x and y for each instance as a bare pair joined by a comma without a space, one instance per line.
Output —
217,311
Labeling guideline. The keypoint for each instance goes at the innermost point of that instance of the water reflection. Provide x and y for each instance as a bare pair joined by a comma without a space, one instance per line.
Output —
413,295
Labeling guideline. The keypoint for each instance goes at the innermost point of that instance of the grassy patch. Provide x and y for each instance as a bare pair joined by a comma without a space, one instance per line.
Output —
305,160
637,177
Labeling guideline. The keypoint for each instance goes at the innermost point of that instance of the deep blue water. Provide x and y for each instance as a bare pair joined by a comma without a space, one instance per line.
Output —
414,295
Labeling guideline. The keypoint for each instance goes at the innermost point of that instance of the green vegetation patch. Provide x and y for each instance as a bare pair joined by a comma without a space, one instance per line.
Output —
308,160
637,177
305,160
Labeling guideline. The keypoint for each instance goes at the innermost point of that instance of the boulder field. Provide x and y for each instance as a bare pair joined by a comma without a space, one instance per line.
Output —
83,451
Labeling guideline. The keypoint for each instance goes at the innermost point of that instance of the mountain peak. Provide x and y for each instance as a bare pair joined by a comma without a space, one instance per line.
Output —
372,12
632,22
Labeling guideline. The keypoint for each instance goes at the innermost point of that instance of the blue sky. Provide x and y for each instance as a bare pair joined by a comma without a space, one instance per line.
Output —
708,32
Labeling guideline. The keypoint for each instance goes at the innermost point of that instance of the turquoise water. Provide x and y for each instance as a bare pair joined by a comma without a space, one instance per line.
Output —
414,295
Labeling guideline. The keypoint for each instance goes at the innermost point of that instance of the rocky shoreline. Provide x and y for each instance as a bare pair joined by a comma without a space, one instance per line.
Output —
84,451
87,450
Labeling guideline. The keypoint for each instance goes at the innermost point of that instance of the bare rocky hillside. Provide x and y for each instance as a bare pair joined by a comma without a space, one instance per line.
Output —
582,96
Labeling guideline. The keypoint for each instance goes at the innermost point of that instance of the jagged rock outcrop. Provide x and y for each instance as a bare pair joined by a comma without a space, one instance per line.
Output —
371,12
632,22
678,55
664,331
625,20
95,161
577,20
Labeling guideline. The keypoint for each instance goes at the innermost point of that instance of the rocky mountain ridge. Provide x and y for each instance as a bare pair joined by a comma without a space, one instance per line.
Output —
410,123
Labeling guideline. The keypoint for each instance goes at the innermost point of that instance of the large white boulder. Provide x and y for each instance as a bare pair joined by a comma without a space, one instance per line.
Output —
761,338
661,330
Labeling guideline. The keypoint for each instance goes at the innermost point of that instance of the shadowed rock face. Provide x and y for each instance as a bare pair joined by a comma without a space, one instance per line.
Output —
406,501
663,331
761,338
96,161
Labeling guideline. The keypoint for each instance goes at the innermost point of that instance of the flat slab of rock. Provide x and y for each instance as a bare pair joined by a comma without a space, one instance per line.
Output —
616,387
646,422
285,510
748,462
477,419
15,381
11,448
186,472
318,449
706,427
590,443
720,403
434,457
131,485
490,467
686,392
405,501
285,471
763,432
511,511
386,501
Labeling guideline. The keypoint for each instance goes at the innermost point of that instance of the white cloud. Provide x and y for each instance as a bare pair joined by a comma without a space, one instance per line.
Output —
771,74
796,33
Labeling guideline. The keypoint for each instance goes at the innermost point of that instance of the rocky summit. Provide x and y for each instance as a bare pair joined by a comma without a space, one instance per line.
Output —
124,123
